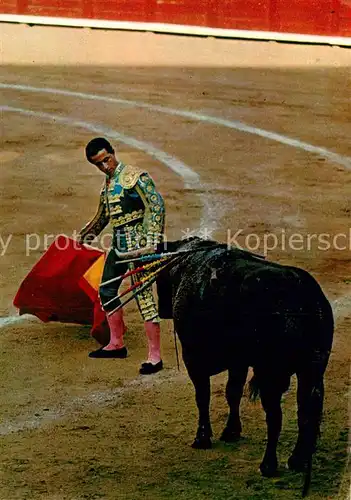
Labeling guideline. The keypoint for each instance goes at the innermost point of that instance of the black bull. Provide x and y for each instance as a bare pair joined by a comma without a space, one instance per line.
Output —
233,310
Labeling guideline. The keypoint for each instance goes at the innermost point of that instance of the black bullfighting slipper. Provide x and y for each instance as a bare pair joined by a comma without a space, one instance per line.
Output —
115,353
150,368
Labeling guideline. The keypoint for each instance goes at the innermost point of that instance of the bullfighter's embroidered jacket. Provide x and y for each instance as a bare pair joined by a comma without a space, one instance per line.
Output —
130,203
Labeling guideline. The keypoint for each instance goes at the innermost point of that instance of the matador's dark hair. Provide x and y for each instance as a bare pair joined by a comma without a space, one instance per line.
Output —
96,145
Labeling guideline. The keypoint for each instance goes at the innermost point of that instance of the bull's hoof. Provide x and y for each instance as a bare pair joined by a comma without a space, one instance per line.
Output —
230,436
297,464
202,443
269,469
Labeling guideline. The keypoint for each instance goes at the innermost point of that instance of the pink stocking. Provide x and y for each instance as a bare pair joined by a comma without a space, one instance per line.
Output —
117,328
153,336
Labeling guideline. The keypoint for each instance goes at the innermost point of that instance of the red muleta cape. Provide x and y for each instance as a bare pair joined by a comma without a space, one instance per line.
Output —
51,291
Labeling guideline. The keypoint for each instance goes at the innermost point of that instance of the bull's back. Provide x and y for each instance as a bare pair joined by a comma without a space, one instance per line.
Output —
292,317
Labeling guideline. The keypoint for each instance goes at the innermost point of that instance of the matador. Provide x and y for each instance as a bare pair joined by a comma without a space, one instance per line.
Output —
130,202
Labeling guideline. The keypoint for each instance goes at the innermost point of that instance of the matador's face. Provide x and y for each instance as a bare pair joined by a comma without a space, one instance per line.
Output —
105,162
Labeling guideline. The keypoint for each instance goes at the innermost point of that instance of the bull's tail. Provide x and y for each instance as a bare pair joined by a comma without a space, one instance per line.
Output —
310,395
309,416
254,390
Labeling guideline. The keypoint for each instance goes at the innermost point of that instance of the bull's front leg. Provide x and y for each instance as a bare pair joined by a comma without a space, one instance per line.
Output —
234,391
203,394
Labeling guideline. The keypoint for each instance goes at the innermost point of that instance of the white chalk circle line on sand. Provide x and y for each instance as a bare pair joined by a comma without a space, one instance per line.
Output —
190,177
12,320
170,161
78,405
237,125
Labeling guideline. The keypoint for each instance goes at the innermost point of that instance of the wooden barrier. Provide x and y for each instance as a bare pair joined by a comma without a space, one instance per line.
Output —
330,18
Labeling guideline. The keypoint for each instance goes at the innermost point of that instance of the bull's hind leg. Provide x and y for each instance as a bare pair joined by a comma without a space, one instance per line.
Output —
234,391
310,395
202,394
271,398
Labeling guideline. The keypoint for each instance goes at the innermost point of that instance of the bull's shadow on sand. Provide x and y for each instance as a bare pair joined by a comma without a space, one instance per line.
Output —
329,478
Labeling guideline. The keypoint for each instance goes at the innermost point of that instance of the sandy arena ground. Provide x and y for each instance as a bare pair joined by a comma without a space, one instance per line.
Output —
204,112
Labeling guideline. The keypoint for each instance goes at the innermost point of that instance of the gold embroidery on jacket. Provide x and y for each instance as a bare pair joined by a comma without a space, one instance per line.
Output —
115,209
129,176
124,219
115,198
